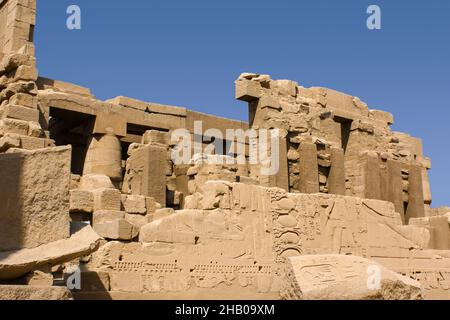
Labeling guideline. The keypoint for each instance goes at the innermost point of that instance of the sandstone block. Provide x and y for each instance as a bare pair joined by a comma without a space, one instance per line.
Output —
34,194
137,220
107,199
95,181
120,229
9,140
323,277
15,126
94,281
26,73
81,201
156,137
82,242
247,90
135,204
102,216
39,278
32,143
24,100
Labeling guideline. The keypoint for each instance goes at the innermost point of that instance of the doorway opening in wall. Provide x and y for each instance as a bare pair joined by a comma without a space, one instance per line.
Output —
346,125
71,128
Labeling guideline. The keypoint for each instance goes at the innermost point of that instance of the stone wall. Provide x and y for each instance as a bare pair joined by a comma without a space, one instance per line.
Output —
235,239
336,132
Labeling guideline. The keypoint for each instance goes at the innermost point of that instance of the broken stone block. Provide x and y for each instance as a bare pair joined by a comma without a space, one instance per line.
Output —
107,199
156,137
102,216
323,277
309,169
175,228
162,213
9,141
110,224
39,278
34,293
120,229
144,179
248,90
150,205
135,204
104,156
137,220
83,241
33,143
81,201
19,127
24,100
34,194
95,181
287,87
269,101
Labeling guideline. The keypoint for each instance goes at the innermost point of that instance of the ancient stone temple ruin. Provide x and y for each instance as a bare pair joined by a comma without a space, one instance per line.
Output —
93,204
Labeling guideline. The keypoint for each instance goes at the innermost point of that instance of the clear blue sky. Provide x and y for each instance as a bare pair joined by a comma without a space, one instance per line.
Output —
189,53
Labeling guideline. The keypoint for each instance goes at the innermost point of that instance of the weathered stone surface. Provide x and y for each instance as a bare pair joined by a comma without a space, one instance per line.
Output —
119,229
309,175
340,277
104,156
112,225
81,201
34,293
107,199
135,204
416,207
144,179
232,240
39,278
92,182
34,194
14,264
336,179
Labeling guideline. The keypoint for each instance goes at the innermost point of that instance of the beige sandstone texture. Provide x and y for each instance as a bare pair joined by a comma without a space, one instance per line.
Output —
34,191
90,187
14,264
339,277
34,293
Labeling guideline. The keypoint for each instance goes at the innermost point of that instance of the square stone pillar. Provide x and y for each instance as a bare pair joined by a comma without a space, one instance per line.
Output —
146,172
394,186
309,168
372,177
336,179
416,206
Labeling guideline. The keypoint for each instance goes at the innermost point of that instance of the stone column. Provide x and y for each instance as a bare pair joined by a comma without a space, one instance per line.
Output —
336,179
309,168
416,206
104,156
